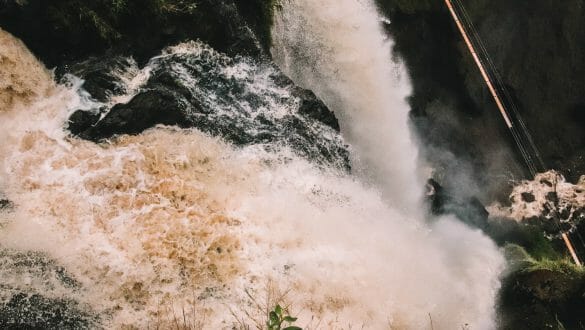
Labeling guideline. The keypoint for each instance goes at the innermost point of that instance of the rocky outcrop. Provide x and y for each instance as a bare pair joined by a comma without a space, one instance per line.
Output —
144,111
67,31
104,77
541,298
544,290
501,229
242,100
22,307
537,48
109,47
540,289
551,206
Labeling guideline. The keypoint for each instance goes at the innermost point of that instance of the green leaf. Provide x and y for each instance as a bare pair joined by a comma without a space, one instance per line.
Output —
274,319
278,310
292,327
290,319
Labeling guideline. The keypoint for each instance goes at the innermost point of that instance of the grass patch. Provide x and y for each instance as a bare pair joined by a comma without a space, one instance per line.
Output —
520,259
563,266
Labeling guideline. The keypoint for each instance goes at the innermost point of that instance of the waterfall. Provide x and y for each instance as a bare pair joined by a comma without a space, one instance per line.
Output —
338,50
178,224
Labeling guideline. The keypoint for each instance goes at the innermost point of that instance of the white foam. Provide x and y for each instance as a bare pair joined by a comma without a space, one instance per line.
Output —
174,221
570,196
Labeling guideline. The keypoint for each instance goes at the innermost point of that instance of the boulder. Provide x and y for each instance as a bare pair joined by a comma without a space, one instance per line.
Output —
36,304
82,120
314,108
144,111
33,311
543,299
240,99
103,76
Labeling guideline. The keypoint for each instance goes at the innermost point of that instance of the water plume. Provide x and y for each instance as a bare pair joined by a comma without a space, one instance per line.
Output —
174,220
338,50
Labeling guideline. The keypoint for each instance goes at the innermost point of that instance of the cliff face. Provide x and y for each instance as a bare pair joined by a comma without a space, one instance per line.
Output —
536,46
66,31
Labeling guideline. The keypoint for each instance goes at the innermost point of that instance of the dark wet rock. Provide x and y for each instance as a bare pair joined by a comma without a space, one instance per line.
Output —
469,210
5,204
526,234
35,306
542,299
95,40
67,31
103,76
528,197
144,111
34,311
546,182
314,108
242,100
552,197
81,121
37,265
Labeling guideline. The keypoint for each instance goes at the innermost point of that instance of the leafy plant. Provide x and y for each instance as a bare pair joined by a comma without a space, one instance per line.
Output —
277,317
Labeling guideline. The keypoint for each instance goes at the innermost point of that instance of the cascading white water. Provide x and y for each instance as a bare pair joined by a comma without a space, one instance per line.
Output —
337,49
174,221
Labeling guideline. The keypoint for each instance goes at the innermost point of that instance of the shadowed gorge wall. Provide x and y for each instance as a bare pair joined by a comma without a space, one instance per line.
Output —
536,46
64,31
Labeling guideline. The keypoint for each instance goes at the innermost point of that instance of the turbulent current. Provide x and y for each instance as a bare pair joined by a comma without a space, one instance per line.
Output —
182,226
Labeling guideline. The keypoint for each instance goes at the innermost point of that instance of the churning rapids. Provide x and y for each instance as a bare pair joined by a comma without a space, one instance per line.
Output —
180,224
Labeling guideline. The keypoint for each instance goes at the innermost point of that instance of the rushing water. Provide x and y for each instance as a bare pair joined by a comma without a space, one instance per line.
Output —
338,50
177,224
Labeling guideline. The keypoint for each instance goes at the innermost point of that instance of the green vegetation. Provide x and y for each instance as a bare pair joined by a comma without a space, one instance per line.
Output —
520,259
564,266
277,317
541,293
510,233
